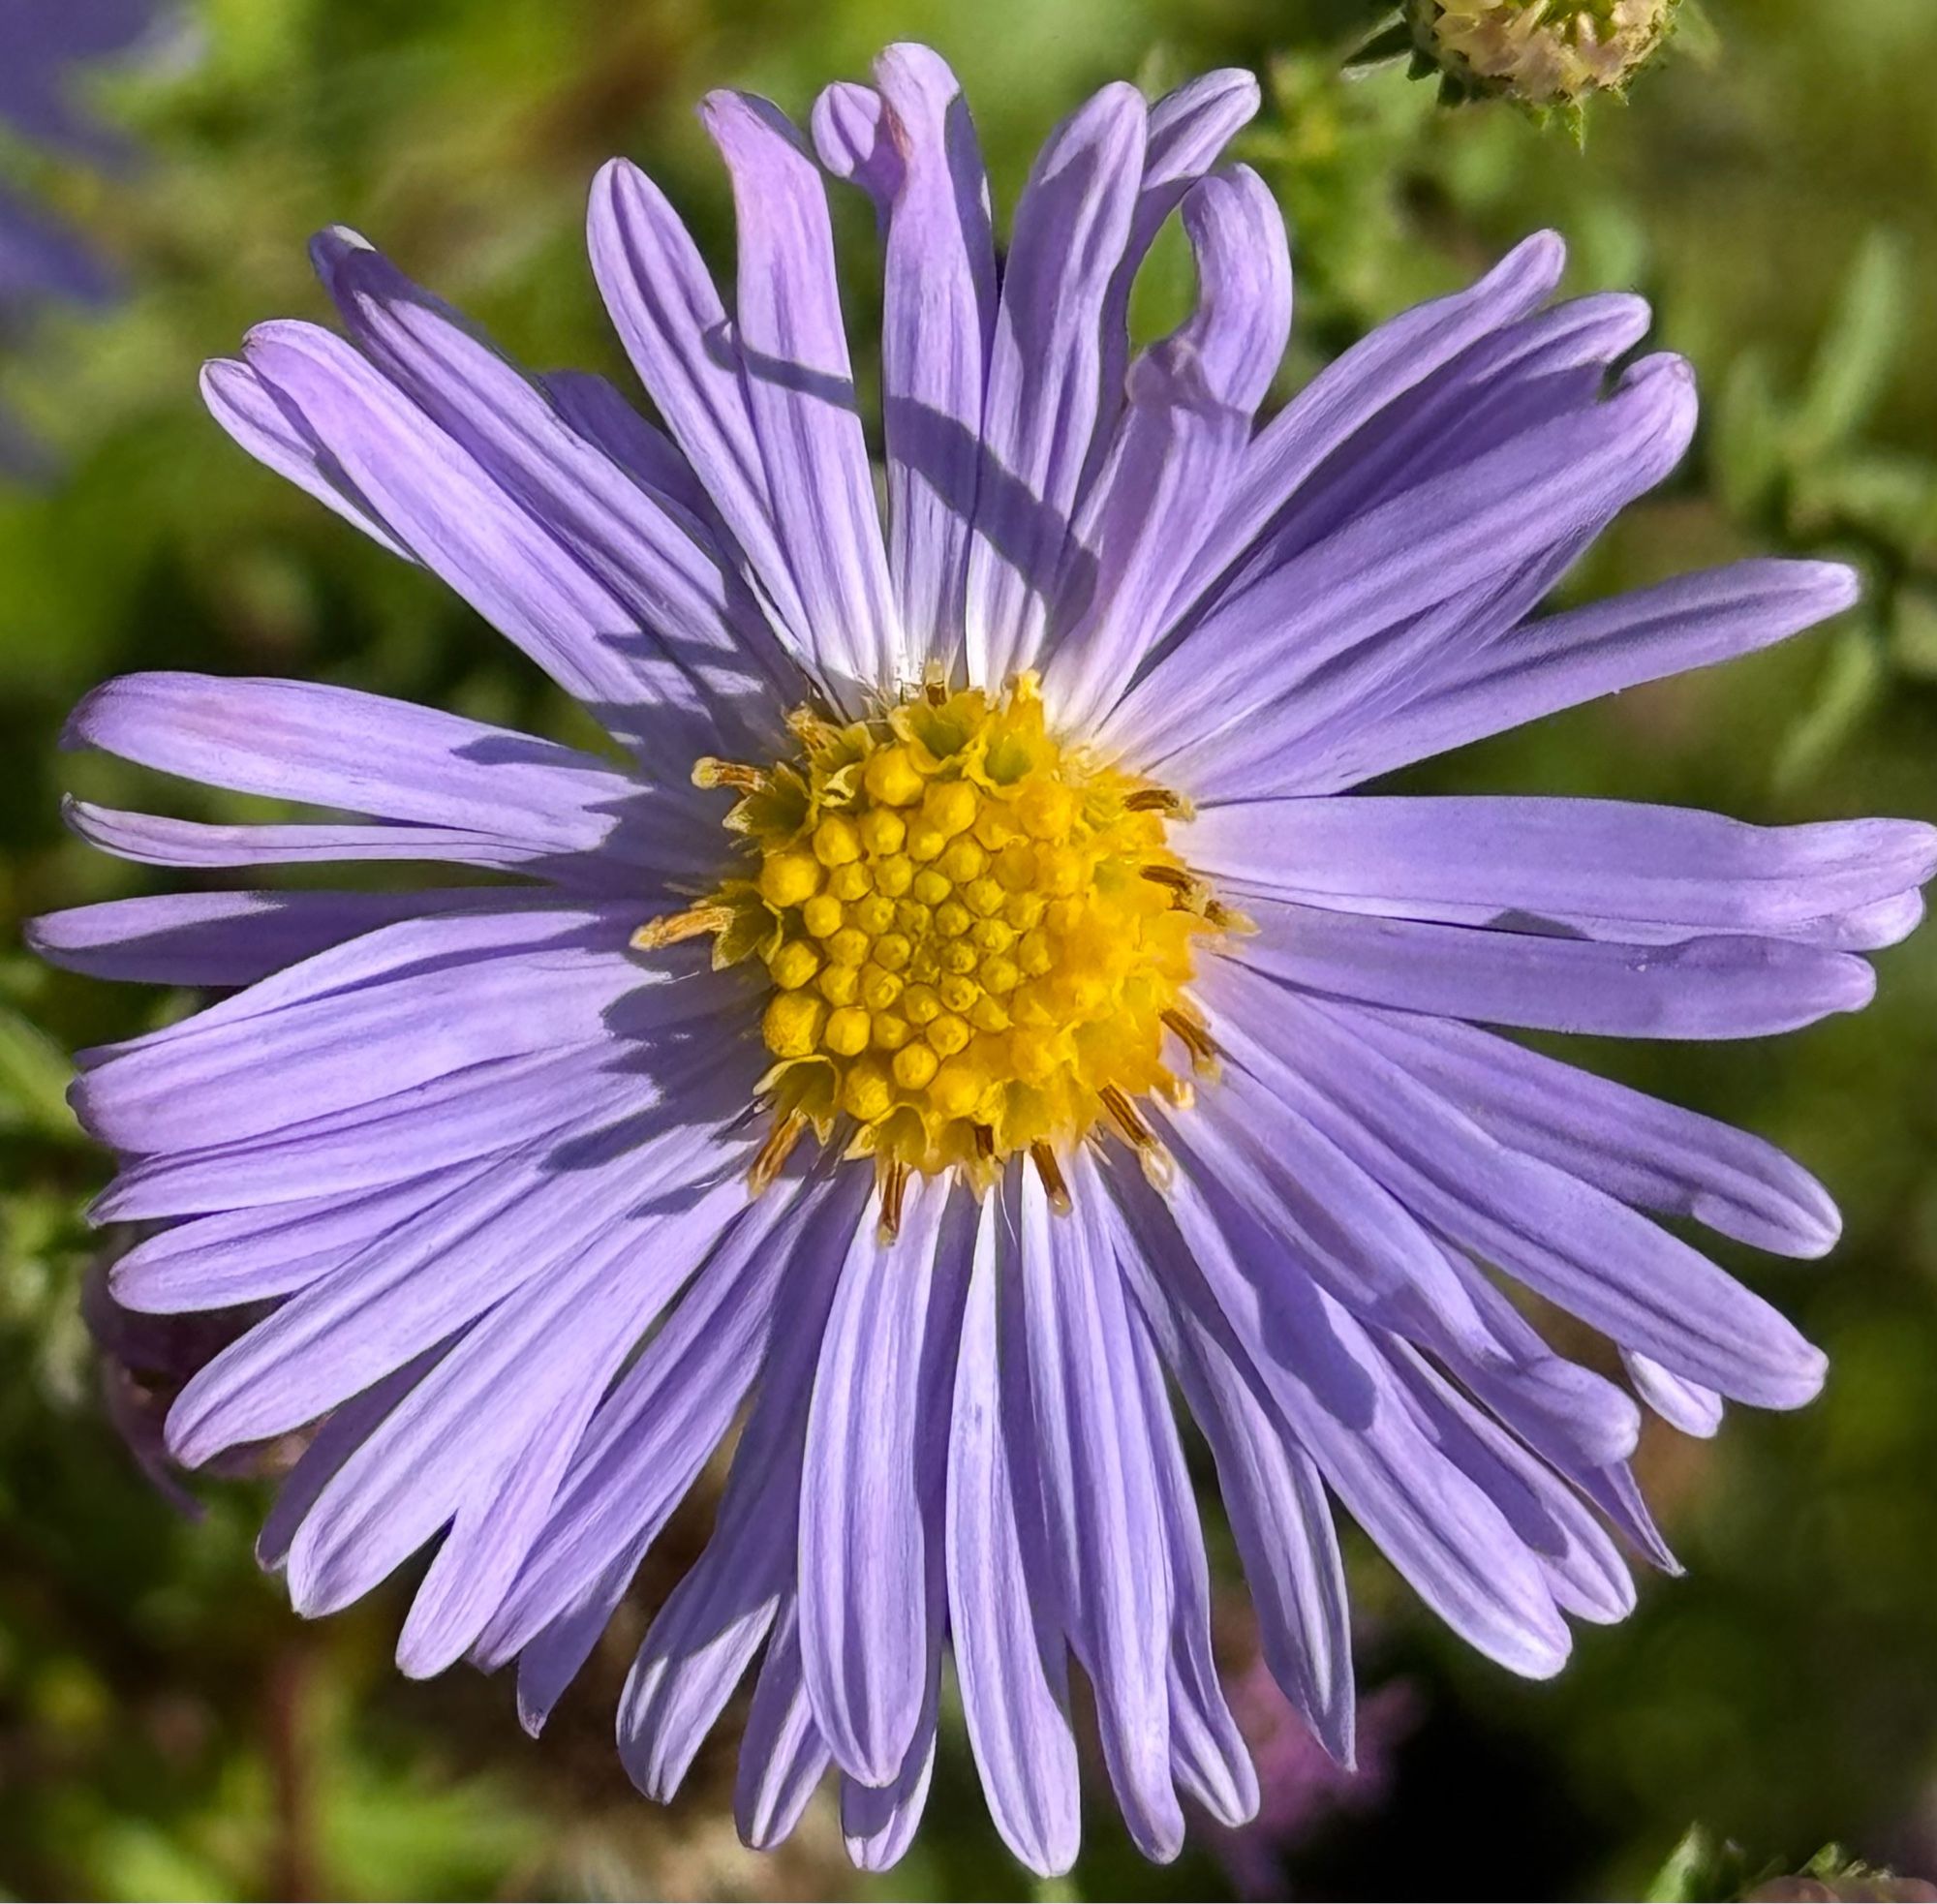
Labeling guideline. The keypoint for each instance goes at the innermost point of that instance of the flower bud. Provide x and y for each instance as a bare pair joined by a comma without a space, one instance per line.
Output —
1543,53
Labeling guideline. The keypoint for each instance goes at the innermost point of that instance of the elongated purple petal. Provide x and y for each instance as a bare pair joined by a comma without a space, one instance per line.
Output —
1003,1638
1189,411
1603,868
1039,416
923,167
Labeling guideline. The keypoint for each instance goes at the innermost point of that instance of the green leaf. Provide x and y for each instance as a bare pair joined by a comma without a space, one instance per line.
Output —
34,1074
1858,351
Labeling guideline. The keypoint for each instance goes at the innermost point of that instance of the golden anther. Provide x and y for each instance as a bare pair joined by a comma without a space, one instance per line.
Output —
1156,800
772,1153
670,927
985,1140
891,1175
1126,1116
1173,877
1194,1038
1053,1187
710,773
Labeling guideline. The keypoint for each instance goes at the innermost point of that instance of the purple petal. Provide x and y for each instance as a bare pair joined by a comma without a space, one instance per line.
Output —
457,518
1649,1153
667,312
654,1433
1194,715
708,1630
692,615
1071,227
1700,988
1596,1257
866,1617
923,167
274,432
1272,1496
1324,1376
800,394
1072,1336
1190,401
1188,128
456,991
397,1298
783,1756
1003,1637
1687,1405
1560,661
1380,371
238,1256
223,940
1606,869
1207,1750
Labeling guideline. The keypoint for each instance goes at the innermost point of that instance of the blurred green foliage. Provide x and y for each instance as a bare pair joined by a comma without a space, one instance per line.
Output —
168,1728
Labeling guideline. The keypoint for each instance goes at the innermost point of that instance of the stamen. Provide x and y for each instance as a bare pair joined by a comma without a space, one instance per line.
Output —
985,1140
1127,1118
670,927
1175,877
772,1153
710,773
1194,1038
1158,800
1053,1187
1180,1093
891,1175
1159,1167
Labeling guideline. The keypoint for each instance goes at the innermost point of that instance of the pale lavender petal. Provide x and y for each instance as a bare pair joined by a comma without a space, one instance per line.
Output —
923,167
1699,988
1596,1257
1194,715
1560,661
878,1822
1045,367
1190,401
1655,1156
1272,1493
1582,1569
866,1619
390,1302
1188,128
691,623
1003,1637
451,512
1380,371
707,1632
275,433
1207,1751
800,394
504,985
1605,869
1073,1345
783,1756
654,1433
1323,1375
1684,1404
238,1256
667,312
225,939
597,409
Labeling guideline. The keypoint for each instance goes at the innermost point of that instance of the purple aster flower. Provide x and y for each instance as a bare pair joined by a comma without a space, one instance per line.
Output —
967,1001
42,41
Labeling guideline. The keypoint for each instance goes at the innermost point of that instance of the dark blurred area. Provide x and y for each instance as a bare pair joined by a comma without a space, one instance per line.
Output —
168,1728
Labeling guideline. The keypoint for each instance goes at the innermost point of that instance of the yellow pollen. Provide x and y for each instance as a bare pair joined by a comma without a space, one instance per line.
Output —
979,937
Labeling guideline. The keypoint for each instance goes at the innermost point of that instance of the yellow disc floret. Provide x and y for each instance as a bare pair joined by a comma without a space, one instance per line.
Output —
978,937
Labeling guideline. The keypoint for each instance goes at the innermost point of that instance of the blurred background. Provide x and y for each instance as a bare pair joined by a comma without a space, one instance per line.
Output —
168,1730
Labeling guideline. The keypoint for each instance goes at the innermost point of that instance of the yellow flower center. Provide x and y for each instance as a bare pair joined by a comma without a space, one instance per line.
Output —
977,938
